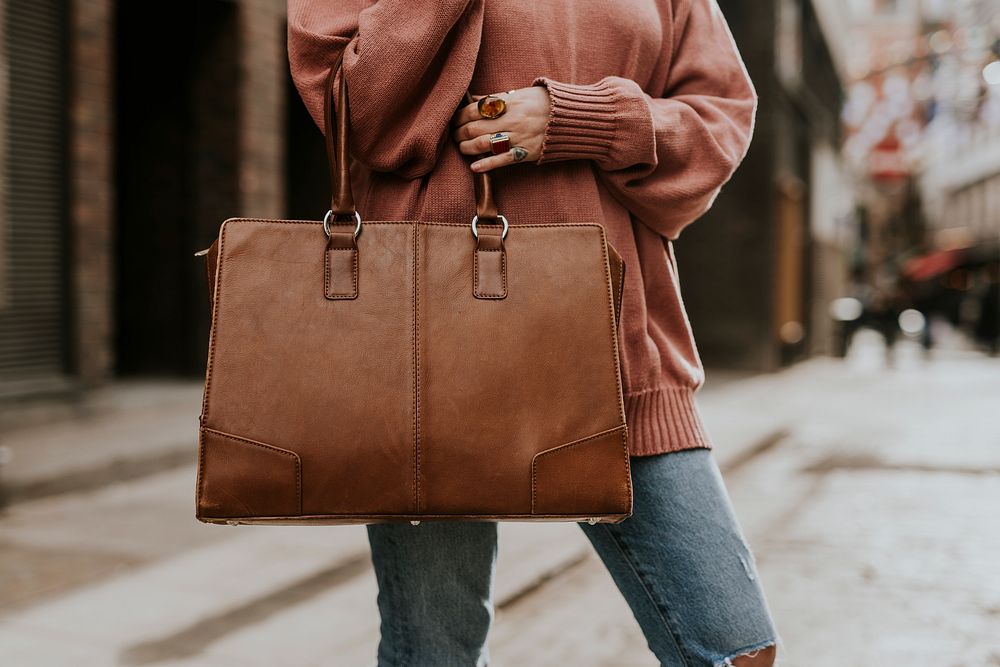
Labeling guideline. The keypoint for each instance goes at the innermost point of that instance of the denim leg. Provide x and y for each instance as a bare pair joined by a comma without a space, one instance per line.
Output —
683,564
435,599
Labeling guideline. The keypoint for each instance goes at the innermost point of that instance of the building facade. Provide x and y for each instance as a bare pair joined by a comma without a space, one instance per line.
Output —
123,150
759,269
960,162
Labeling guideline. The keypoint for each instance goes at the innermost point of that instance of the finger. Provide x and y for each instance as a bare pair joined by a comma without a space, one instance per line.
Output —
492,162
464,114
481,127
514,155
481,143
468,112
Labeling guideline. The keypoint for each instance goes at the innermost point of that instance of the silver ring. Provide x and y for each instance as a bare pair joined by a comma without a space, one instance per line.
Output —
475,231
329,216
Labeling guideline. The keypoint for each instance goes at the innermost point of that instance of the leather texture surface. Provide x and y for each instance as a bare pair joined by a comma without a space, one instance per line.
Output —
416,398
411,370
249,478
580,472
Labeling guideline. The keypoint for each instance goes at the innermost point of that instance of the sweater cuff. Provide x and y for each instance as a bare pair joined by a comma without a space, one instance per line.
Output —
609,122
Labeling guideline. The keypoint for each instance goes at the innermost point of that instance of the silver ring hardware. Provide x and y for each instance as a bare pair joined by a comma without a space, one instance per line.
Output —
475,230
329,216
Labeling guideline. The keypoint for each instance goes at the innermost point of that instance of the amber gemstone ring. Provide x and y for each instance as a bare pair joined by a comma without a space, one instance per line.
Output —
499,143
491,106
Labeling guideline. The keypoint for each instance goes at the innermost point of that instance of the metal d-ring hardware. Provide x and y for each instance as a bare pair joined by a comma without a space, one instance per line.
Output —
329,216
592,520
414,523
475,231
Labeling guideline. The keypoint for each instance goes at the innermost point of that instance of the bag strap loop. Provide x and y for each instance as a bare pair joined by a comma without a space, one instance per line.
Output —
337,132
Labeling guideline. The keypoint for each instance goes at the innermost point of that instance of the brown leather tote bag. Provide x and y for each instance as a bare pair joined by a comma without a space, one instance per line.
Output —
406,370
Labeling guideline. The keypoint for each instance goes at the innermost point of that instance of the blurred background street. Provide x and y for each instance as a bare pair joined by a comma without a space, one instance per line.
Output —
869,498
844,291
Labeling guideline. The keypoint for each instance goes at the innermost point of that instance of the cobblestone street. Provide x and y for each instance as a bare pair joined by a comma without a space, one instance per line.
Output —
873,520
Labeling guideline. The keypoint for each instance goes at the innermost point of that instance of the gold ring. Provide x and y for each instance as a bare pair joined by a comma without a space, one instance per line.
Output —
491,106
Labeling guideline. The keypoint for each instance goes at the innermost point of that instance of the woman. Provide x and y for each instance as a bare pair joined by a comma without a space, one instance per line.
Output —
633,114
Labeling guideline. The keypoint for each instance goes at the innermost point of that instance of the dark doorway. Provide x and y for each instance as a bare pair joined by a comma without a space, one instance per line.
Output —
308,185
177,176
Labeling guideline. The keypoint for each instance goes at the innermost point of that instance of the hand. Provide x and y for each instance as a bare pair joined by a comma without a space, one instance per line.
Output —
524,120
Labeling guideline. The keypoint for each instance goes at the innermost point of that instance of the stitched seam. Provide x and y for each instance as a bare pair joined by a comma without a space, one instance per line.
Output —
326,274
621,293
200,483
416,383
534,459
418,222
215,313
503,274
573,443
615,355
611,311
626,497
661,611
306,519
354,270
297,460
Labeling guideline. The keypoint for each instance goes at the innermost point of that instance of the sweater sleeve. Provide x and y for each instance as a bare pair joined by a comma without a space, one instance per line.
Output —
664,157
407,67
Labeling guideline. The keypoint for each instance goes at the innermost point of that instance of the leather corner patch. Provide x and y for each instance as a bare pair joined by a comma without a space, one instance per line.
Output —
592,473
238,477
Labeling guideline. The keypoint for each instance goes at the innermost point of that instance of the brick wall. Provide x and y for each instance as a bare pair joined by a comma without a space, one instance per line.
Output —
91,185
262,102
259,154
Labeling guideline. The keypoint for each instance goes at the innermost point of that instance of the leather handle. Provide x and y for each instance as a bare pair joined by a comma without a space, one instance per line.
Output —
486,206
339,158
337,146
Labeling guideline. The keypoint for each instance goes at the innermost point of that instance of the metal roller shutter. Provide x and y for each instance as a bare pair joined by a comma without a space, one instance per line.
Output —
33,308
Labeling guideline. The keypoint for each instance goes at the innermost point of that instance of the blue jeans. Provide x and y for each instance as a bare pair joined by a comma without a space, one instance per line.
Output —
681,561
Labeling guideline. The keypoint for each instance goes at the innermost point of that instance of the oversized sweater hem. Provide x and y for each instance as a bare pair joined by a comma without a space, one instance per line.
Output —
664,419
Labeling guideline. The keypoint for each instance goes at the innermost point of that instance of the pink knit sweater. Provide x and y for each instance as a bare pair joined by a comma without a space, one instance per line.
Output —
652,110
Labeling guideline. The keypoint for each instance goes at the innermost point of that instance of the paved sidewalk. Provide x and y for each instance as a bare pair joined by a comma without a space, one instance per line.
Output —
106,565
131,429
874,524
871,521
122,431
